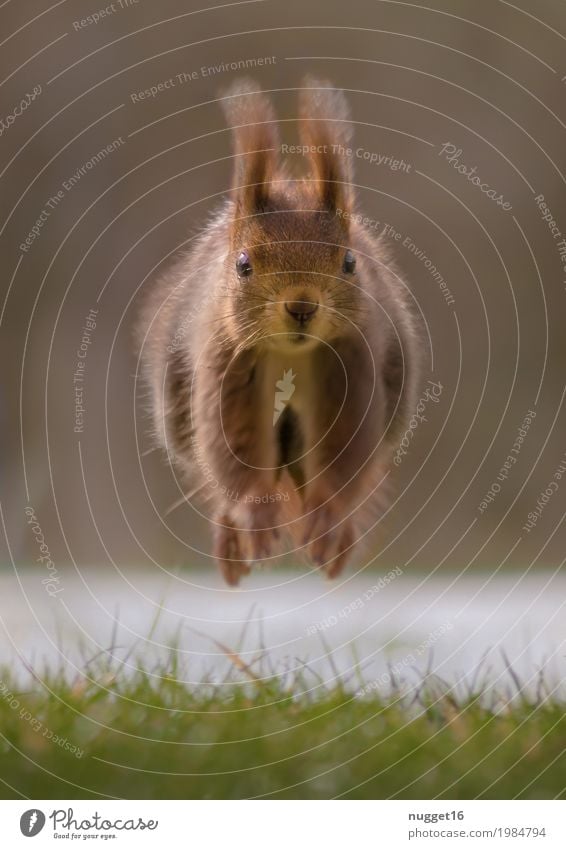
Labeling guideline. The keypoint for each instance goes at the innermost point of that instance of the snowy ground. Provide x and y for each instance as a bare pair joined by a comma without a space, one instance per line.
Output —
412,622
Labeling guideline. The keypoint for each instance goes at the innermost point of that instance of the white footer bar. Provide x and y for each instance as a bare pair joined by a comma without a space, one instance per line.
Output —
284,824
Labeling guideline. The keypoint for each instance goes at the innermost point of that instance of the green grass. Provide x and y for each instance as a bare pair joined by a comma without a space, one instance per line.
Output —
149,735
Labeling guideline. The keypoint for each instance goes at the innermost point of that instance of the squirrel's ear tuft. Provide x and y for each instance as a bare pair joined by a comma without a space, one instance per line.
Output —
325,127
256,142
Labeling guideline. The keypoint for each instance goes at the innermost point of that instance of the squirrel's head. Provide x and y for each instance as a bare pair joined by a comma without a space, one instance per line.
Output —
292,270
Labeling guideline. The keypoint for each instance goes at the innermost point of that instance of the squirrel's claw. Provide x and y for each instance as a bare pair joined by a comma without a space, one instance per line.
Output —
329,540
334,567
233,570
262,543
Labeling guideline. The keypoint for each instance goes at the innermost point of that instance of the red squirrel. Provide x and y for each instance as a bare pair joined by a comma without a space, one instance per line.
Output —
295,375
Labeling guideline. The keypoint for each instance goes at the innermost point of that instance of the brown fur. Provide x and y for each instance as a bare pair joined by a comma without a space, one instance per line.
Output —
213,378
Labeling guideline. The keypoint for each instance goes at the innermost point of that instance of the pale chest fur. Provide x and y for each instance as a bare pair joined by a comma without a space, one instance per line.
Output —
289,395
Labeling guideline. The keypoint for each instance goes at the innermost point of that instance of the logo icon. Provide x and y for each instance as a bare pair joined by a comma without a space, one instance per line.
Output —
285,388
32,822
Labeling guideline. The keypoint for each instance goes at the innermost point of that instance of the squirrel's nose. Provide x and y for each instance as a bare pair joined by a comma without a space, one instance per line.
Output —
301,311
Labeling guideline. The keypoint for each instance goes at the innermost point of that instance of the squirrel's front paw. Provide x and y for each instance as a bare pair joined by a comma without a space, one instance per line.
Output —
262,535
262,544
229,553
329,538
262,532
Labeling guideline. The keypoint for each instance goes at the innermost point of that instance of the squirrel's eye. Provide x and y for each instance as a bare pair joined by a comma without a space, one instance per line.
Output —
349,265
243,265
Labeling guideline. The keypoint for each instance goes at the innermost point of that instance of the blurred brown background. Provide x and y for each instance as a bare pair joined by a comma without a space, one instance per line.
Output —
484,76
